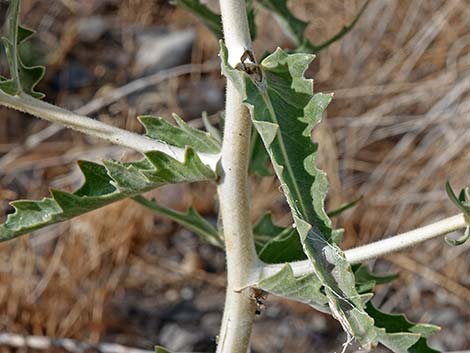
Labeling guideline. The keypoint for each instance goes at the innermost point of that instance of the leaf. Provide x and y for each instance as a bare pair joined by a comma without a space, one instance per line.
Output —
461,240
160,349
115,181
276,244
212,20
284,112
103,185
211,129
307,289
463,204
191,220
265,229
291,25
399,334
295,27
393,331
181,136
366,280
259,157
344,207
23,78
251,14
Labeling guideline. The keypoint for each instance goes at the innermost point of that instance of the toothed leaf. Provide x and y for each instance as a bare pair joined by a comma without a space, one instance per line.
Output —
115,181
182,135
104,184
399,334
284,111
23,78
307,289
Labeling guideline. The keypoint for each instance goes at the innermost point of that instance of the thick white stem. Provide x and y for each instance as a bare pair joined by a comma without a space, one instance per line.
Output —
381,247
236,31
96,128
234,207
240,308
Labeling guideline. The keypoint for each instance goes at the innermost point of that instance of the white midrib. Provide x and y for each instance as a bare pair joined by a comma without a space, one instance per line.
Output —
286,165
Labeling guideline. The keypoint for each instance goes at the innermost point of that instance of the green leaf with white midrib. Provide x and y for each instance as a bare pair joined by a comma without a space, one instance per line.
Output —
284,111
180,136
114,181
394,331
117,181
306,289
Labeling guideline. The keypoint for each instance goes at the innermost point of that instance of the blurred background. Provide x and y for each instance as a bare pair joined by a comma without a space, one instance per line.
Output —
397,129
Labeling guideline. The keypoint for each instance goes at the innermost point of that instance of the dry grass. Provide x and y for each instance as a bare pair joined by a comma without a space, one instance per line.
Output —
398,128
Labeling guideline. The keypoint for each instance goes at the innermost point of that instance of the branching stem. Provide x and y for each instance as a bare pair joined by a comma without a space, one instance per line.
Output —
382,247
95,128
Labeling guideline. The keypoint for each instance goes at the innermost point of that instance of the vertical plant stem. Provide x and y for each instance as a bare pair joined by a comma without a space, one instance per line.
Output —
239,311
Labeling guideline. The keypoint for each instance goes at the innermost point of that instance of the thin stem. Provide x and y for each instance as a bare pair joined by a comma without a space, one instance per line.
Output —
102,101
95,128
239,308
381,247
342,32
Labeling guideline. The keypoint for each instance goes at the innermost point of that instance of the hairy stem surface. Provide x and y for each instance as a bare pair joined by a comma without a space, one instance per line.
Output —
239,311
96,128
382,247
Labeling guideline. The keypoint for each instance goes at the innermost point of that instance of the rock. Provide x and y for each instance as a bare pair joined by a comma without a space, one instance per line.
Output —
158,49
209,97
176,338
90,29
72,76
